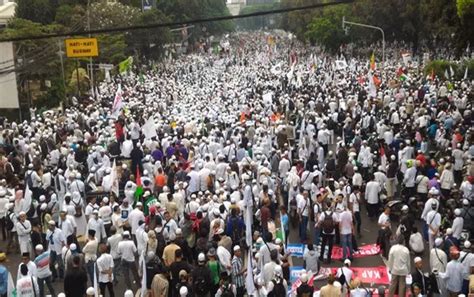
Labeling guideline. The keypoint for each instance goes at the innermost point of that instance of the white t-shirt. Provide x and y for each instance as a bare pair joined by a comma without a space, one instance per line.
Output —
354,200
26,287
372,191
345,222
105,262
383,219
303,206
433,219
127,250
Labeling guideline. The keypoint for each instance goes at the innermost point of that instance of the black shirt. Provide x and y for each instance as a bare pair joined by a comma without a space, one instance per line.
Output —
75,282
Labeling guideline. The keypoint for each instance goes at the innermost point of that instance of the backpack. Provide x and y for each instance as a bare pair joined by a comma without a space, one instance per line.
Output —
200,285
227,290
328,225
278,289
29,181
8,222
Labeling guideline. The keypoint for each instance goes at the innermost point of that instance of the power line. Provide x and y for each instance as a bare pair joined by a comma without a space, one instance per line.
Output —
173,24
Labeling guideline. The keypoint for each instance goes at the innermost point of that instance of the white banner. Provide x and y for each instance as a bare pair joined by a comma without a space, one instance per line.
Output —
8,86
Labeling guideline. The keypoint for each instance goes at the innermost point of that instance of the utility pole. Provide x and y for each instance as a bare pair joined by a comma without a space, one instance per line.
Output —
344,22
60,53
90,59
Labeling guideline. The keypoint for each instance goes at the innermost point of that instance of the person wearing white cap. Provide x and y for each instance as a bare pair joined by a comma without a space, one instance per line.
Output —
90,292
127,250
3,212
128,293
43,271
458,224
238,271
23,229
105,266
466,257
135,216
344,275
438,257
433,219
97,224
418,276
56,241
201,276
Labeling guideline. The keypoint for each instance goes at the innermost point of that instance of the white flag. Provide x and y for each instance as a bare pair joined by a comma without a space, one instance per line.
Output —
372,88
451,71
115,188
465,73
149,129
249,284
118,102
446,75
96,284
143,291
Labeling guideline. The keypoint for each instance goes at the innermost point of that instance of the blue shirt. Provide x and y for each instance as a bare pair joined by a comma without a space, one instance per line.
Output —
285,222
3,280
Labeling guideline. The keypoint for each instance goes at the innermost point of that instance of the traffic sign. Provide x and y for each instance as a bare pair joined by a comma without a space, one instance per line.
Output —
82,47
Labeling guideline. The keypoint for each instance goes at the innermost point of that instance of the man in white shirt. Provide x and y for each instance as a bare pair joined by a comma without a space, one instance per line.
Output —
409,179
346,229
96,224
90,254
26,286
135,216
372,191
68,227
303,211
458,224
438,258
105,267
433,219
354,205
347,272
127,251
23,229
399,267
113,242
3,212
385,231
43,271
56,241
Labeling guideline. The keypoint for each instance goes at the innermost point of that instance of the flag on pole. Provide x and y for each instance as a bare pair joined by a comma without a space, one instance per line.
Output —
249,284
149,129
143,290
377,81
118,102
139,190
115,188
125,65
372,87
446,74
96,285
11,288
451,71
372,62
465,73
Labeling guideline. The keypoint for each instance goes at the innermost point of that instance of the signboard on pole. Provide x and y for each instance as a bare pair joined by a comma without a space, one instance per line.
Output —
82,48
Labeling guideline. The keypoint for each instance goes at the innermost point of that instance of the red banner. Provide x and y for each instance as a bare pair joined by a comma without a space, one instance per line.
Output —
370,275
363,251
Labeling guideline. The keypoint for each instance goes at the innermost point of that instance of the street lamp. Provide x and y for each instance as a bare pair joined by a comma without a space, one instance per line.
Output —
344,22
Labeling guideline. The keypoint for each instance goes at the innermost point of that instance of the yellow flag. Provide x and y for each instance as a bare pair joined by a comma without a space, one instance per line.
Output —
372,62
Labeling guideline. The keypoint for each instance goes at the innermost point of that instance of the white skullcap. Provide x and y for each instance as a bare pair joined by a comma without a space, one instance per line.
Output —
183,291
90,291
128,293
438,241
467,244
61,295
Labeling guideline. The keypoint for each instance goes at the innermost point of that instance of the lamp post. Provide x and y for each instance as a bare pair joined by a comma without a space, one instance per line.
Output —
344,22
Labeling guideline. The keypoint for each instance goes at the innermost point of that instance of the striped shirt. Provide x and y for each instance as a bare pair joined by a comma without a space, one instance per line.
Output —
237,278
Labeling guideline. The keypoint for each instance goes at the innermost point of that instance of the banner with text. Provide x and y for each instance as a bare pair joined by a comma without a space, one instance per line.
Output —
363,251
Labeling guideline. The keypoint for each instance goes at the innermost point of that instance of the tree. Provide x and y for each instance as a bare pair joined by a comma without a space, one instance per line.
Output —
150,42
39,11
327,30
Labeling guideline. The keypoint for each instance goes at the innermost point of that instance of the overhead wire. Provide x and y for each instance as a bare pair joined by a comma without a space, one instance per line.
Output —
175,24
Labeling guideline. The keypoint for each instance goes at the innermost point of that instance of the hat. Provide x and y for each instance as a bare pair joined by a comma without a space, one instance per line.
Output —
61,295
139,204
465,202
433,191
417,259
95,211
449,231
178,231
457,212
347,262
220,231
39,247
90,291
467,244
201,257
304,277
405,208
128,293
438,241
73,247
22,213
236,248
52,222
183,291
183,272
126,233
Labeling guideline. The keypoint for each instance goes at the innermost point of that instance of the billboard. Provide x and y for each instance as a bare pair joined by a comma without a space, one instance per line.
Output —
8,86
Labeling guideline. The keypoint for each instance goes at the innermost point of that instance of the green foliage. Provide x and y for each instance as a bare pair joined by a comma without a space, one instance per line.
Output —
150,42
464,7
54,95
327,30
113,14
258,22
39,11
440,66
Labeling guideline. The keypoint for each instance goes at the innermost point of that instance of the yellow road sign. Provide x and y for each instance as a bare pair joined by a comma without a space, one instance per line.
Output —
82,47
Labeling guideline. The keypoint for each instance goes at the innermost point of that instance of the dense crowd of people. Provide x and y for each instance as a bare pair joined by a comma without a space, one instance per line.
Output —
186,180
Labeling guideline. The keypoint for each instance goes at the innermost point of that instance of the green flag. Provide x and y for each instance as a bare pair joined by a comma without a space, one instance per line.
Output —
125,65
